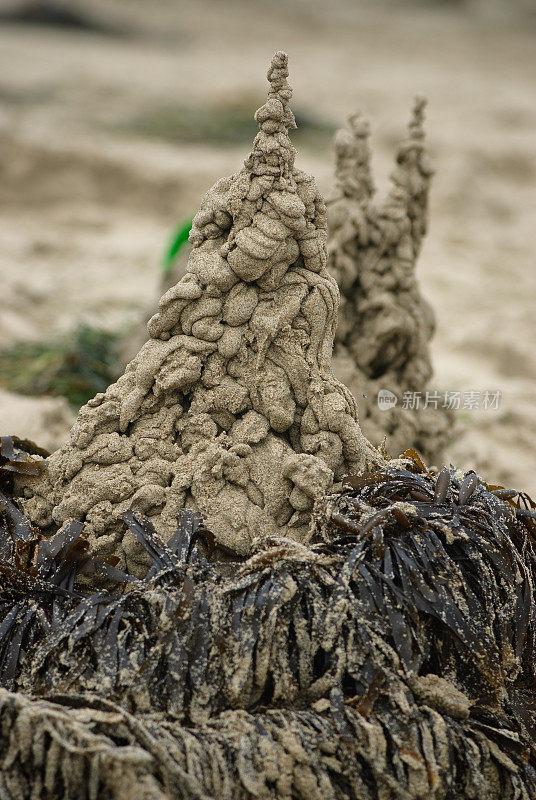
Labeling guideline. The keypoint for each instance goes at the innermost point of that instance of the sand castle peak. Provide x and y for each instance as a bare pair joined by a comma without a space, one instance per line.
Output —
352,159
273,152
416,124
410,180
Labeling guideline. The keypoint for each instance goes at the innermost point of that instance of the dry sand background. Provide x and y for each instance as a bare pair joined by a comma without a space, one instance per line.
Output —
87,200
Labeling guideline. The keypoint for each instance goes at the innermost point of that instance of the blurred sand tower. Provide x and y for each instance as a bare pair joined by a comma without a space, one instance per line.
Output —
385,325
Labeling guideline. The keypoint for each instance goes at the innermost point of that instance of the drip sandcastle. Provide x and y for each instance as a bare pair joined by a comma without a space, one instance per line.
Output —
231,407
270,608
385,325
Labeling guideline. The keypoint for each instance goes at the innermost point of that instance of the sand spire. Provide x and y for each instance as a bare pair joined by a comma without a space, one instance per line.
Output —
231,407
353,175
411,176
385,325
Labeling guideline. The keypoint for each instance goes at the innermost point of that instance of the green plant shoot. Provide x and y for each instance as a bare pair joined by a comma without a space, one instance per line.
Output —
177,242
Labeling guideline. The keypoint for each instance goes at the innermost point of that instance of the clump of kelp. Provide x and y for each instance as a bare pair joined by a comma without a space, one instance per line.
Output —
392,658
76,365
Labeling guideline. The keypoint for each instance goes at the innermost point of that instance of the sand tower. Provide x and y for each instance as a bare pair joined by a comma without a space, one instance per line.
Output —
231,407
385,325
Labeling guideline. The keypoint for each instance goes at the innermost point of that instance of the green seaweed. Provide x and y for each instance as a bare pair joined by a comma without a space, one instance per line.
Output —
75,365
218,123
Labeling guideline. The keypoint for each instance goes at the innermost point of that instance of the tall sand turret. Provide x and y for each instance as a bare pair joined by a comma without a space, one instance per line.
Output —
231,407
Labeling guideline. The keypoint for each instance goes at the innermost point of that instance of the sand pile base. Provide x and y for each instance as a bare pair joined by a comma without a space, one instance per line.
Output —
391,658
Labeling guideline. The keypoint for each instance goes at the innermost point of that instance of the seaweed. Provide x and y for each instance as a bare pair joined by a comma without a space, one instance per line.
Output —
76,365
392,657
227,123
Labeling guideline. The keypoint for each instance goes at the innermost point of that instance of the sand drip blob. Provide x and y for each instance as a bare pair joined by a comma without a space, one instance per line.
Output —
391,658
231,408
385,325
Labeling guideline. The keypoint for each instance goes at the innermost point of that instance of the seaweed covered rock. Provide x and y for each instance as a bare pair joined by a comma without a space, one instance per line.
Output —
393,657
231,408
385,325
